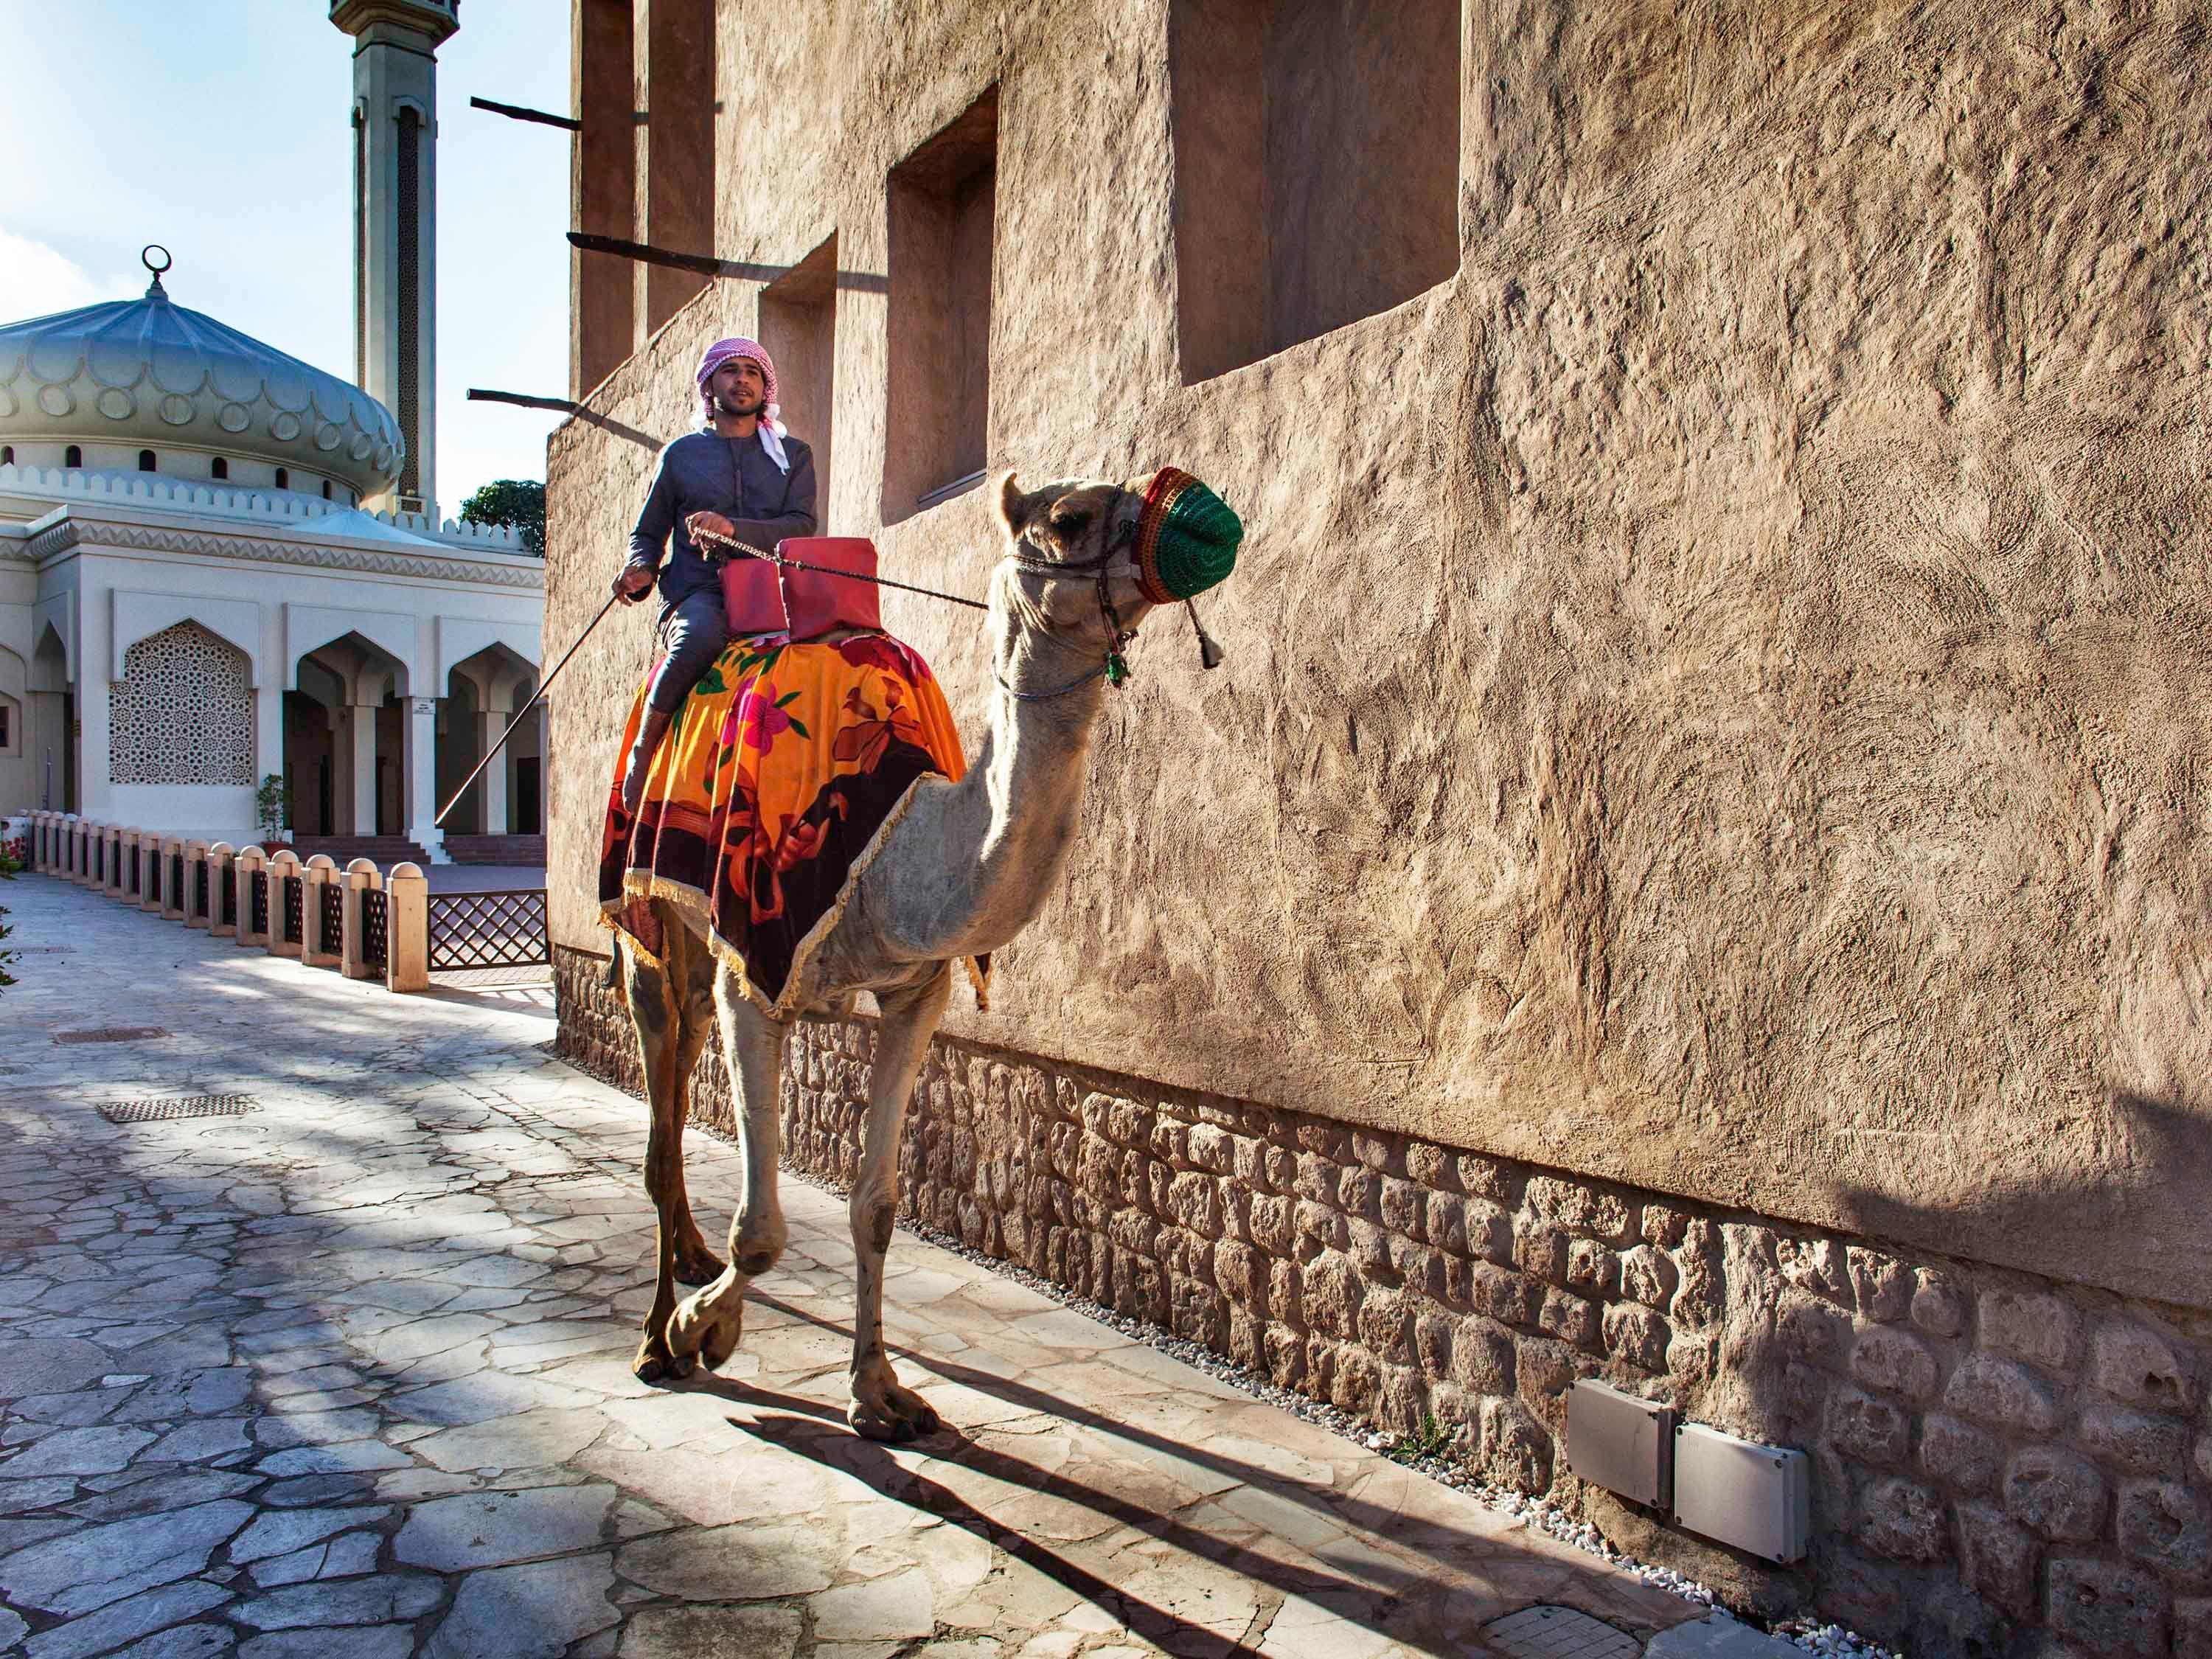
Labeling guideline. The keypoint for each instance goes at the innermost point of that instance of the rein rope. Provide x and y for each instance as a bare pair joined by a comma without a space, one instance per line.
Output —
746,549
1116,668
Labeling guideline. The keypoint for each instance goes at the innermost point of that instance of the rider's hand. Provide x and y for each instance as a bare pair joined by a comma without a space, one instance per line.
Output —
714,524
633,582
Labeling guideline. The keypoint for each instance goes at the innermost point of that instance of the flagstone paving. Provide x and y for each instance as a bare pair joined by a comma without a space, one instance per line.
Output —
347,1376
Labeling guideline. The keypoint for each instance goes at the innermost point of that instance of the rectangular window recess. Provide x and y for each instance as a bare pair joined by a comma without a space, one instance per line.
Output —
945,492
1316,167
798,326
942,221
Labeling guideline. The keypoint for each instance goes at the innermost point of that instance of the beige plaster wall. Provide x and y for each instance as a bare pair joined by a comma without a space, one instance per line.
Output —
1721,688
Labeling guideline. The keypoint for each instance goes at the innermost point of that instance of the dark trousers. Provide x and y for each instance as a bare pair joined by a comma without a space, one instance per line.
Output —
693,631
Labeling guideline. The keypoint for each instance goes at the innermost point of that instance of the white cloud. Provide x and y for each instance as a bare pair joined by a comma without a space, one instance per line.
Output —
36,280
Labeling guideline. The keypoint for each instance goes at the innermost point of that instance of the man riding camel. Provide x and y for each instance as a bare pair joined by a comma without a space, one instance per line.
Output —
743,476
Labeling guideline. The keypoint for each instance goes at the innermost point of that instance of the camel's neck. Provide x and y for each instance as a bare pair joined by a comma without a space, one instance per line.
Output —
1011,820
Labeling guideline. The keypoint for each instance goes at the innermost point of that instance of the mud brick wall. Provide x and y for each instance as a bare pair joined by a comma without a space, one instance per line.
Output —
1994,1454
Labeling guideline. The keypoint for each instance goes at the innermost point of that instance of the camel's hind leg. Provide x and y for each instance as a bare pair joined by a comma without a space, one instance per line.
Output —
672,1009
709,1322
881,1409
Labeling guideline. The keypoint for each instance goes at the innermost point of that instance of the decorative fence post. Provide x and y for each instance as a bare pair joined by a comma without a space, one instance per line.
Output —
80,852
252,897
39,843
320,944
123,856
172,877
366,929
195,883
407,930
222,893
283,870
153,871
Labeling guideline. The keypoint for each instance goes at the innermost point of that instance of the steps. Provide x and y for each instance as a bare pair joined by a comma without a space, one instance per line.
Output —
382,851
496,849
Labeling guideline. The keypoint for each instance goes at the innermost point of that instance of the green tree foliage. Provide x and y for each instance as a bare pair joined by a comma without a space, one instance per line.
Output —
272,805
518,502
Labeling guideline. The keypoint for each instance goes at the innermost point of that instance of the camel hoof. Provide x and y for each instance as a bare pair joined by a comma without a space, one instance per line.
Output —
702,1269
720,1342
875,1425
900,1415
653,1367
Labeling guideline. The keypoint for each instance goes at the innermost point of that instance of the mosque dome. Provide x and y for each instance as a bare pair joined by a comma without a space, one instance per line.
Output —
149,371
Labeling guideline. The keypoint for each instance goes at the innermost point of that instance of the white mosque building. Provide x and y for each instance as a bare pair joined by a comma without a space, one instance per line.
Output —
219,565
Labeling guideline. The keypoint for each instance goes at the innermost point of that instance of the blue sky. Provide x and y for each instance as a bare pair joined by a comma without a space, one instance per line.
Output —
218,129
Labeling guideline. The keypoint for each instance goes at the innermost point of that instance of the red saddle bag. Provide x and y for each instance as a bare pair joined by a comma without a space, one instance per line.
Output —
818,599
752,596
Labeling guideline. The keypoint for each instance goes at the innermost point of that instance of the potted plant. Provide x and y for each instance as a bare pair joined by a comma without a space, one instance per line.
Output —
272,810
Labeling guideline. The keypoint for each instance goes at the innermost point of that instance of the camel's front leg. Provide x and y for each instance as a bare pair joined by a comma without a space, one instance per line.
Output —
656,1007
710,1321
881,1408
695,1264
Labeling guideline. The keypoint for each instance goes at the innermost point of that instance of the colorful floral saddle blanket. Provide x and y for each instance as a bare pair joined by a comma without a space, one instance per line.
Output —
777,782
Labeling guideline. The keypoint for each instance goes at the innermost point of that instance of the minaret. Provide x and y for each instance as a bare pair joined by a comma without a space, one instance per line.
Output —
395,220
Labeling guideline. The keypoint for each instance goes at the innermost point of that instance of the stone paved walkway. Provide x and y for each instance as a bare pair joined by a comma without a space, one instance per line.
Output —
346,1376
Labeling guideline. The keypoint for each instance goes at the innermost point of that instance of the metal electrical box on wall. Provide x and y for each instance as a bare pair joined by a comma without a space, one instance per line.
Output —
1738,1492
1620,1442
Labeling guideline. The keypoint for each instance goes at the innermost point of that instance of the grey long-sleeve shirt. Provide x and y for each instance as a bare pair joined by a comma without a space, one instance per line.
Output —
701,472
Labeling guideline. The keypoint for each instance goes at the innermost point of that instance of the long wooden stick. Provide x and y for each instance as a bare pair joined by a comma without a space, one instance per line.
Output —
543,686
516,112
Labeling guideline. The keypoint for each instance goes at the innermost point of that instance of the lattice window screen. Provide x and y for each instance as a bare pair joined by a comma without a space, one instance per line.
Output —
182,712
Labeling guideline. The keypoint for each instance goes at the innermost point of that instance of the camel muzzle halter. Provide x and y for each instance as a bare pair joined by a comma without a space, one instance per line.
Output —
1116,668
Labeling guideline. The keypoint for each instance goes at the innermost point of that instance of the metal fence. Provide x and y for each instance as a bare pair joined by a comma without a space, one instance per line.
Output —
333,919
229,896
175,892
259,906
200,889
131,876
375,927
295,903
488,930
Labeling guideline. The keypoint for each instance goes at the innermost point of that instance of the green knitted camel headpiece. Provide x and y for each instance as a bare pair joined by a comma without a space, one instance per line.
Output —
1187,538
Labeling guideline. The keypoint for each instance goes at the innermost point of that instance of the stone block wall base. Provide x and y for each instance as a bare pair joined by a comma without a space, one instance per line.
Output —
1995,1456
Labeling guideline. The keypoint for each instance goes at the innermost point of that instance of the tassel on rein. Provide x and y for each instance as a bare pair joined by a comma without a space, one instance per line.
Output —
1210,655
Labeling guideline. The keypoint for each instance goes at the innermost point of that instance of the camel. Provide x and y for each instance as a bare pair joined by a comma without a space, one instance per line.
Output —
960,874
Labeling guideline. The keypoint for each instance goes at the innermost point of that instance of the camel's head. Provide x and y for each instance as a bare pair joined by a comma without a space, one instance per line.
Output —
1084,527
1089,558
